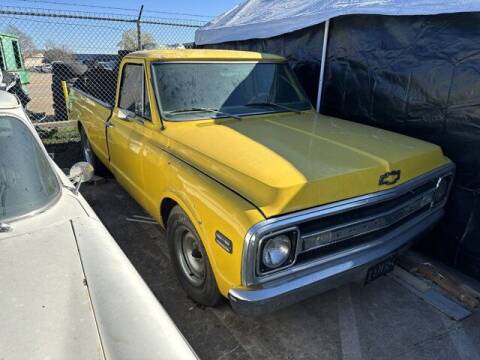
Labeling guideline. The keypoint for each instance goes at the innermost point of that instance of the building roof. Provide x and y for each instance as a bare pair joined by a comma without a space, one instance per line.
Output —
202,55
8,101
255,19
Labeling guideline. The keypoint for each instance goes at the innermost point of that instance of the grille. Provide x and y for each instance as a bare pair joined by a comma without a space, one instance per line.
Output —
341,231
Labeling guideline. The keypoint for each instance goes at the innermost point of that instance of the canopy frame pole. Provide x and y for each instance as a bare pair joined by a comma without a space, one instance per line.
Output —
322,65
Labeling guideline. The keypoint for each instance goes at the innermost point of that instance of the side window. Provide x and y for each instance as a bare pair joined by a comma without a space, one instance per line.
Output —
16,54
132,89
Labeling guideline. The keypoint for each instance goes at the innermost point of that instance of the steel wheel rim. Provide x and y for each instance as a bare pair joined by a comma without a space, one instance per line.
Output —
191,258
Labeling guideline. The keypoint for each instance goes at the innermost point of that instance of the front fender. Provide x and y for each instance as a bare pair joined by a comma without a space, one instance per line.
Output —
212,207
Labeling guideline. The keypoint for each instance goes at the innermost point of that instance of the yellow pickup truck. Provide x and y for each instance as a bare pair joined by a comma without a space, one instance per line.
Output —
264,201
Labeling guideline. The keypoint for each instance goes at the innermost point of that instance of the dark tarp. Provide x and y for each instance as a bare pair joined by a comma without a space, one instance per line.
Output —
420,76
416,75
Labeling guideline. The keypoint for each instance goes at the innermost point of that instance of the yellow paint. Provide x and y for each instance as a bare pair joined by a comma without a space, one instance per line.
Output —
202,55
280,162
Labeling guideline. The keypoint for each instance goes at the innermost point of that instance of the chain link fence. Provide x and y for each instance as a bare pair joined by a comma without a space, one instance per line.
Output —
41,48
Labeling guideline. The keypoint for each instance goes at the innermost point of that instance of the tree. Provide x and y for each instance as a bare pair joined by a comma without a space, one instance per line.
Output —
129,40
26,42
55,52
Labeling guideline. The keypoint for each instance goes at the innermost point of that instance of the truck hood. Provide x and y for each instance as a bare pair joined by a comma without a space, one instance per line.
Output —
288,162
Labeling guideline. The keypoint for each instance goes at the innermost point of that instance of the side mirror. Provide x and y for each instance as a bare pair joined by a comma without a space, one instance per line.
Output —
125,115
122,115
81,172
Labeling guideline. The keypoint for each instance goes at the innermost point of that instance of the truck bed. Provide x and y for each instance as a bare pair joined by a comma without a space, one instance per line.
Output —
101,84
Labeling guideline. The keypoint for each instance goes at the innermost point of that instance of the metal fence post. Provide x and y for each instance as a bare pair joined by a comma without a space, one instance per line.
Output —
139,30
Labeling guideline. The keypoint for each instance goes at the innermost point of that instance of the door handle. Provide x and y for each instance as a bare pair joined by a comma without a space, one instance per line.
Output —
109,124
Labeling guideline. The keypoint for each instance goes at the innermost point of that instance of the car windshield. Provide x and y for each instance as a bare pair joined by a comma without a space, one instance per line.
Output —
189,91
27,181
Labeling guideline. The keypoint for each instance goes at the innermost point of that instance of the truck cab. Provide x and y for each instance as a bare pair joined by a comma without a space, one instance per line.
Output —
264,201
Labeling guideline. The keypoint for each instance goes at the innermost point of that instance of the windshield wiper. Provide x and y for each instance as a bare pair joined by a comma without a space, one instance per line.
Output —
217,111
269,103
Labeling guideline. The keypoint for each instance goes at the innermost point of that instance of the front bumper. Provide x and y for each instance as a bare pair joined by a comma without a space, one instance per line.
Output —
349,268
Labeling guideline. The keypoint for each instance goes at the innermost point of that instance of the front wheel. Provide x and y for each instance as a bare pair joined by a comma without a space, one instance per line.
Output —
190,260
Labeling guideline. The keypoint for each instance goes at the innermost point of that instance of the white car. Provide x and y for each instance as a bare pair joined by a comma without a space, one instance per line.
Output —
67,291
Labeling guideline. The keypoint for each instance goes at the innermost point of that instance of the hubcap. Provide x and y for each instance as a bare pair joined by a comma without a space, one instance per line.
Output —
191,258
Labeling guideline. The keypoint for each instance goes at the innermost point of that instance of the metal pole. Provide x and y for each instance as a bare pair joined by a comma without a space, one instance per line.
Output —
322,65
139,31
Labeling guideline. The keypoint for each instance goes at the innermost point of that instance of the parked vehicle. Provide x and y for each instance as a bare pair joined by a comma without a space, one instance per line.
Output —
107,65
11,59
14,78
67,291
264,201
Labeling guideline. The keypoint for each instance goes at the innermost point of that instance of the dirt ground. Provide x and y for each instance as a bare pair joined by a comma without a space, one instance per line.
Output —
383,320
40,88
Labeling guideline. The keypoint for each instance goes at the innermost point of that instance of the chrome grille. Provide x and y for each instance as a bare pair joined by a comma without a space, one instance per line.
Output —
339,233
346,227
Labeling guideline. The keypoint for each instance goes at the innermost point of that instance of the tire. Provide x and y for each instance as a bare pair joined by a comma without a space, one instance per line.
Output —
190,260
90,157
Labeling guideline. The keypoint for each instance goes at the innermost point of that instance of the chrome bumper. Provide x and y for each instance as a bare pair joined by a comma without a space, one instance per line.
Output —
350,268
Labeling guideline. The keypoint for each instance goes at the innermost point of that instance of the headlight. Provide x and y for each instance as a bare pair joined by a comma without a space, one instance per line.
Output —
276,251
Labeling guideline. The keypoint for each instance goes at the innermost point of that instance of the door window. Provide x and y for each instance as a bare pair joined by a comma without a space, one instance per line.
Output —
131,89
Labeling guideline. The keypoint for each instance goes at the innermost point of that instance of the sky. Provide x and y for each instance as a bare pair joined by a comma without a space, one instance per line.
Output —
93,36
207,8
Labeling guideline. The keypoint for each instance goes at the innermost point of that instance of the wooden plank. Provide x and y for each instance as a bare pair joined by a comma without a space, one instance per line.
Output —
410,279
448,284
57,124
430,295
445,305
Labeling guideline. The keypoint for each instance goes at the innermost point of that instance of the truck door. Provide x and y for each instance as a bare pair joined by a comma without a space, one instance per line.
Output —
126,130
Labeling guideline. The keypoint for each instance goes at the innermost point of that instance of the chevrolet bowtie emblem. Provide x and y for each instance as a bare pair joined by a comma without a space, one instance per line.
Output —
389,178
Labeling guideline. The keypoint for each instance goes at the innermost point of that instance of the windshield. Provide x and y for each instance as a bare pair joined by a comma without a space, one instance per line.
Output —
198,90
27,181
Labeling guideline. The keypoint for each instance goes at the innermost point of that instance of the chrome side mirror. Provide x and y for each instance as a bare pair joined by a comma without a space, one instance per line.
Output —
81,172
125,115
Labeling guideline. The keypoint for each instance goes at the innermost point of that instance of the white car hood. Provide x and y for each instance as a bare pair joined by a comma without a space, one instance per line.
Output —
48,314
67,291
